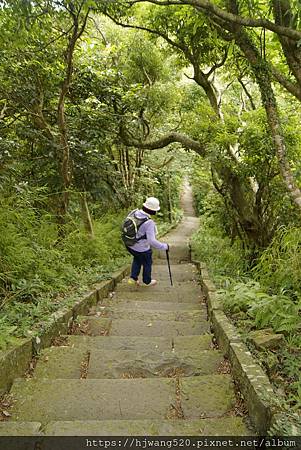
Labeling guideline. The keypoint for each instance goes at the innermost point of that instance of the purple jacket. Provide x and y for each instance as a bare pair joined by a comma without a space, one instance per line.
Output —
150,230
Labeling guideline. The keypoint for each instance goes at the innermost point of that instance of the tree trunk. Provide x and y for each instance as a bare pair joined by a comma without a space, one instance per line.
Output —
169,198
66,169
263,78
87,221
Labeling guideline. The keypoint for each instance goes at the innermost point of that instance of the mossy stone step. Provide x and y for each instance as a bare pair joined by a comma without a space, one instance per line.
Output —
152,363
20,429
118,312
150,306
43,400
226,426
209,396
179,343
95,326
60,362
180,252
180,272
151,294
66,363
158,328
162,287
163,281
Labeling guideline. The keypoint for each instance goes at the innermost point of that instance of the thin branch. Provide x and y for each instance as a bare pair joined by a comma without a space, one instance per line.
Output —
181,47
291,87
187,76
218,65
57,38
2,112
164,164
82,29
99,30
247,93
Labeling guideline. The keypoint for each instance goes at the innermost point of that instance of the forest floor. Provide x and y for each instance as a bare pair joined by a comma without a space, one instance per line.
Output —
142,362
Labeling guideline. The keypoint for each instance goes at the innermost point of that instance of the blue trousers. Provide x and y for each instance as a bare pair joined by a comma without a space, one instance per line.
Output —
145,260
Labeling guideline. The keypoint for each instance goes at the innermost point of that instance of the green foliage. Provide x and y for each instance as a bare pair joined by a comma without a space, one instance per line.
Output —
33,262
278,267
210,245
278,312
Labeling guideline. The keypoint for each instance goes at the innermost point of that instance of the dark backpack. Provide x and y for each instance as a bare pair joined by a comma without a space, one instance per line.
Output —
130,227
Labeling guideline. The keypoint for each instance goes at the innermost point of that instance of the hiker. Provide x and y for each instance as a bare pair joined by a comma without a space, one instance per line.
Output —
139,236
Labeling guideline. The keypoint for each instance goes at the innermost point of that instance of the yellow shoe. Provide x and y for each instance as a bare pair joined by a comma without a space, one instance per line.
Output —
133,282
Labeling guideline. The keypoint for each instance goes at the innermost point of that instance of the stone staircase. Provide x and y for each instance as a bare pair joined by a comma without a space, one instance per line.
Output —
141,362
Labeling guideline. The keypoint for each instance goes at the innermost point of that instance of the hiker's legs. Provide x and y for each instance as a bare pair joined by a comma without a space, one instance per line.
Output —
136,264
147,266
141,259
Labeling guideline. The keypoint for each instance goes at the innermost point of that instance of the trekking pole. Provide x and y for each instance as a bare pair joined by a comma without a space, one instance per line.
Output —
167,257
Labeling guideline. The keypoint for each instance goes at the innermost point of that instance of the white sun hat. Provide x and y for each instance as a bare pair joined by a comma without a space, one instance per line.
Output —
152,204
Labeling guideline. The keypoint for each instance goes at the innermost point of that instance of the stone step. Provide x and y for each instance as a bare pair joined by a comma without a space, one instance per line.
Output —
149,306
153,294
149,364
180,252
225,426
44,400
179,343
180,287
95,326
67,363
119,312
180,272
19,429
60,362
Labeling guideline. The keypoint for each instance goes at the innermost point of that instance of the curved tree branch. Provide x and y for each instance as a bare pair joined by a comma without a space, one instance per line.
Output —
206,5
164,141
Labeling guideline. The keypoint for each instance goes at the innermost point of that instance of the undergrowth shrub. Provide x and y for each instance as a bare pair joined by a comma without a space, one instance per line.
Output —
36,268
279,312
33,261
279,267
209,244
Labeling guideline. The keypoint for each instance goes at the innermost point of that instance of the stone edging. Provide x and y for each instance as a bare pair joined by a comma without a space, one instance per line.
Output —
15,361
247,373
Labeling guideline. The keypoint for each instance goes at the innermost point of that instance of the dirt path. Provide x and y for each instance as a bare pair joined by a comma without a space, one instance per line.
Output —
141,363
